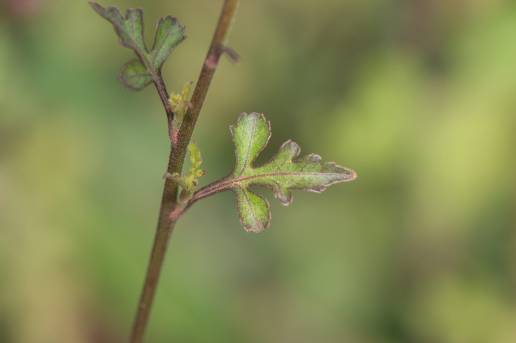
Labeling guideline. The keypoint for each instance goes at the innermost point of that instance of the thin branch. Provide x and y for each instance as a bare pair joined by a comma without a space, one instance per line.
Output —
161,87
228,183
166,223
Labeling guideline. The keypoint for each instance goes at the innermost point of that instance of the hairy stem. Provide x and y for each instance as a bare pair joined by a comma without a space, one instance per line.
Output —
166,222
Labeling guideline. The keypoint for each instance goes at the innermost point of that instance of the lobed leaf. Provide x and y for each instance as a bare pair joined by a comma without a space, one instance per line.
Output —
129,28
284,173
130,31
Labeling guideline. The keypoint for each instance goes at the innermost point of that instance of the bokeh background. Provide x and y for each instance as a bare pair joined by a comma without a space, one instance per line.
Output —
418,96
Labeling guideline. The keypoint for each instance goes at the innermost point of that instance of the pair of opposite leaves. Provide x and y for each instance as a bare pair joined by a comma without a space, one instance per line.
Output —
284,173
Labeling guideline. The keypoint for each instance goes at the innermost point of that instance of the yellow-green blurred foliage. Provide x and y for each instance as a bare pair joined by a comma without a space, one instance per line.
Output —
418,96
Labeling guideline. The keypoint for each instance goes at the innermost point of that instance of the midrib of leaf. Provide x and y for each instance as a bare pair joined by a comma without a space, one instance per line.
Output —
235,182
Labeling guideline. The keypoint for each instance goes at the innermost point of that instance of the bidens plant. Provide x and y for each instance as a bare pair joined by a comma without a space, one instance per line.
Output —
285,172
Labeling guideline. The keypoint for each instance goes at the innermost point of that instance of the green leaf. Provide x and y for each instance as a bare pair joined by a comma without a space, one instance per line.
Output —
284,173
129,28
130,31
134,75
168,35
254,211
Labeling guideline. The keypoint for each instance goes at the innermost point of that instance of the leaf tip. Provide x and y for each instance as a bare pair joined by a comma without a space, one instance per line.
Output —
284,197
259,227
353,175
314,158
253,116
131,11
293,149
347,174
96,7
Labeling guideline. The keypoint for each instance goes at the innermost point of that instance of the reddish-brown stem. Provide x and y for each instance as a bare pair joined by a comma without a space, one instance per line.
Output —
161,88
208,70
179,145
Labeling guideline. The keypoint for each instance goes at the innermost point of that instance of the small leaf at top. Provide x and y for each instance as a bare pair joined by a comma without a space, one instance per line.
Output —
284,173
134,75
130,30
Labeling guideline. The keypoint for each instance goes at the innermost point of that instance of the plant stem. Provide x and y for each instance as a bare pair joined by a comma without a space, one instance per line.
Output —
177,155
208,70
161,88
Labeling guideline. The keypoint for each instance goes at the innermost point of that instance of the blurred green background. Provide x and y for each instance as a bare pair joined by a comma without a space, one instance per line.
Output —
418,96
